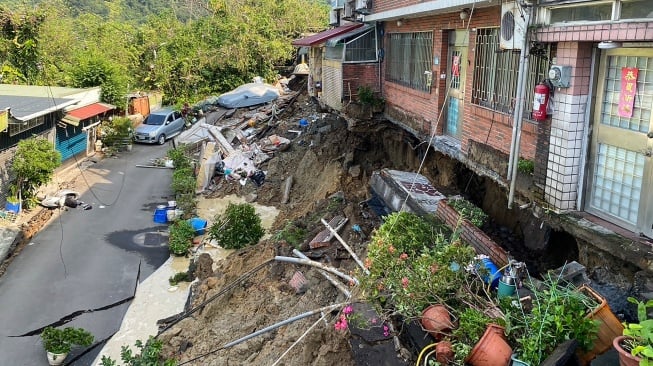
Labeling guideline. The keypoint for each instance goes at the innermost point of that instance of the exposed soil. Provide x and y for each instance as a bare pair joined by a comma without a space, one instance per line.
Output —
330,165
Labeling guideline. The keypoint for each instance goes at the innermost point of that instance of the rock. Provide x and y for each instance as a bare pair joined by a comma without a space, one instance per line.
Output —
355,171
211,282
204,268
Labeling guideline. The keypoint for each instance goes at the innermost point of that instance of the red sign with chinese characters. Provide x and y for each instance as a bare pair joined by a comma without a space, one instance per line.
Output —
628,91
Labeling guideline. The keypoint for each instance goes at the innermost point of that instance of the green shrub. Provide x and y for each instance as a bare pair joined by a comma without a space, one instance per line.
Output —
58,340
33,165
116,132
367,96
469,211
179,277
238,227
179,157
183,180
525,166
149,355
291,234
181,235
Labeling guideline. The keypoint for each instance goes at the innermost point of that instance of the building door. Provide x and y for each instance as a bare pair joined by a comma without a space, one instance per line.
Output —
621,166
456,69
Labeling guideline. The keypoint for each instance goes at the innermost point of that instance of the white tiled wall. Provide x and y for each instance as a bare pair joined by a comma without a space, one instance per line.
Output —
565,144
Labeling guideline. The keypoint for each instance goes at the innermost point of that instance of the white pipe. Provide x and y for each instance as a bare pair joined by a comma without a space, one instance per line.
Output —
333,281
519,109
353,255
319,265
299,339
287,321
518,118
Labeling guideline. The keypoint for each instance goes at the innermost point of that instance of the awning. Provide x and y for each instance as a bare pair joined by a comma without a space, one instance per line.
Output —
75,116
326,35
346,36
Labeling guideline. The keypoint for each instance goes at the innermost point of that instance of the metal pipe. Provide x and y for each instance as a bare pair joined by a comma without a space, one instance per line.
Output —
353,255
282,323
318,265
518,118
333,281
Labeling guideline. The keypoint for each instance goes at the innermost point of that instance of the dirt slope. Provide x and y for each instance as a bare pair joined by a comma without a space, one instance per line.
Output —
326,182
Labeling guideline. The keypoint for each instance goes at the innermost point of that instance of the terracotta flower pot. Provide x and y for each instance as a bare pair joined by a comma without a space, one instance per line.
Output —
625,358
436,320
492,349
444,353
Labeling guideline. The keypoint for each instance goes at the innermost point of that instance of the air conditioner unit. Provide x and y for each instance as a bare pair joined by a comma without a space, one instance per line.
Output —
337,4
513,27
333,17
363,6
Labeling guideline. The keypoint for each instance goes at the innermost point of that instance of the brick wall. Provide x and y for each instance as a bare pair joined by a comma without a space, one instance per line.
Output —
471,235
355,75
420,111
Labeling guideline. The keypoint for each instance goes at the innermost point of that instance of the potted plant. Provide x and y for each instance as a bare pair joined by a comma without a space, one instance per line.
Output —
479,340
558,312
58,342
635,346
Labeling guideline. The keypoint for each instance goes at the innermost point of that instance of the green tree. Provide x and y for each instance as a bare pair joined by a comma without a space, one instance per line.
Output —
34,164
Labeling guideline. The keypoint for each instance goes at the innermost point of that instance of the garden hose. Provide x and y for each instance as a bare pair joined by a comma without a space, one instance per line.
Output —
424,350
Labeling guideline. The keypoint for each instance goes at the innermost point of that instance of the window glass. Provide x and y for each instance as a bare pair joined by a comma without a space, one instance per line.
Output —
408,55
495,73
361,48
637,9
594,12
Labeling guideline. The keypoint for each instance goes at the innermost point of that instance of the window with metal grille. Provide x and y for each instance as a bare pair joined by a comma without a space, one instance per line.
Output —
361,48
16,128
408,55
495,73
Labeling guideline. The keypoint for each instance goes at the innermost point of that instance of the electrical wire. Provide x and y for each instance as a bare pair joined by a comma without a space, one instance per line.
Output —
437,123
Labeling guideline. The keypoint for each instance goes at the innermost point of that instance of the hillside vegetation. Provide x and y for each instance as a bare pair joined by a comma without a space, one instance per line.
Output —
187,50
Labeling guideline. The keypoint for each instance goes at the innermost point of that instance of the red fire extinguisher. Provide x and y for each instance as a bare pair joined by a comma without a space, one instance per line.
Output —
540,101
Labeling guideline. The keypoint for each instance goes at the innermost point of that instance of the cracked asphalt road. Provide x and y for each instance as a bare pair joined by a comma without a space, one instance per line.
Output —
87,259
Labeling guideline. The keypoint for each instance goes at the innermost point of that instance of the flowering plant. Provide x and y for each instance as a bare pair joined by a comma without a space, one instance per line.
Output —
413,264
350,317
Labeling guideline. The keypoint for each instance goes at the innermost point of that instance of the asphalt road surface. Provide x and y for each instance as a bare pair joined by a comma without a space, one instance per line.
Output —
86,262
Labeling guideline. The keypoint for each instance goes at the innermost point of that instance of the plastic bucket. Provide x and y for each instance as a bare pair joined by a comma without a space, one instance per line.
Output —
505,289
171,215
489,271
199,225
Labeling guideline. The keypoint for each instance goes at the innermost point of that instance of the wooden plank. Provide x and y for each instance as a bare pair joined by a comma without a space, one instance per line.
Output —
323,238
222,142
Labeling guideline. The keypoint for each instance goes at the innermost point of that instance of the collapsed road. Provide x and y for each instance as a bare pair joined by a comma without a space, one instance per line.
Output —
82,268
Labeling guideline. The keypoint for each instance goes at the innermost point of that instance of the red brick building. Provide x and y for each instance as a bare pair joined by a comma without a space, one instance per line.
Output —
450,73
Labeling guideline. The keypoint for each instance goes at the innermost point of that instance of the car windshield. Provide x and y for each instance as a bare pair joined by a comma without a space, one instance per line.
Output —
154,119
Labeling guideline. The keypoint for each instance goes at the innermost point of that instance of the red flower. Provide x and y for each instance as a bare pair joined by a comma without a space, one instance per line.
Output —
404,282
403,256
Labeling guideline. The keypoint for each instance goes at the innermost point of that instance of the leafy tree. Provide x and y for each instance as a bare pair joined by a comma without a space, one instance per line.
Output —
95,70
34,164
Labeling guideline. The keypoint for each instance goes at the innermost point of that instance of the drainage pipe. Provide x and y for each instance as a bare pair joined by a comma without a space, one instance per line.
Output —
284,322
319,265
353,255
330,278
518,118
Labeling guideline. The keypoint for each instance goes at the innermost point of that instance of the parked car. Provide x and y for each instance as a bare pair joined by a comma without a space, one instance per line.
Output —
159,126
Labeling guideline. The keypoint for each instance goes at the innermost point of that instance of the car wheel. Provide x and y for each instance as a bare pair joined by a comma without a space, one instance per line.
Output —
162,139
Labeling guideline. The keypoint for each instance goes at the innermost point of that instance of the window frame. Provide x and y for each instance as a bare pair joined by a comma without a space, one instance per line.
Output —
495,86
419,51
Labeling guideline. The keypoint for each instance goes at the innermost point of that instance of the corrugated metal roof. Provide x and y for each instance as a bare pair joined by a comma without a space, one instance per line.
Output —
75,116
334,40
25,108
326,35
39,91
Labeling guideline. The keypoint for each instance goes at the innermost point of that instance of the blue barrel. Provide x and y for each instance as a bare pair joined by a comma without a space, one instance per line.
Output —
161,215
490,271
